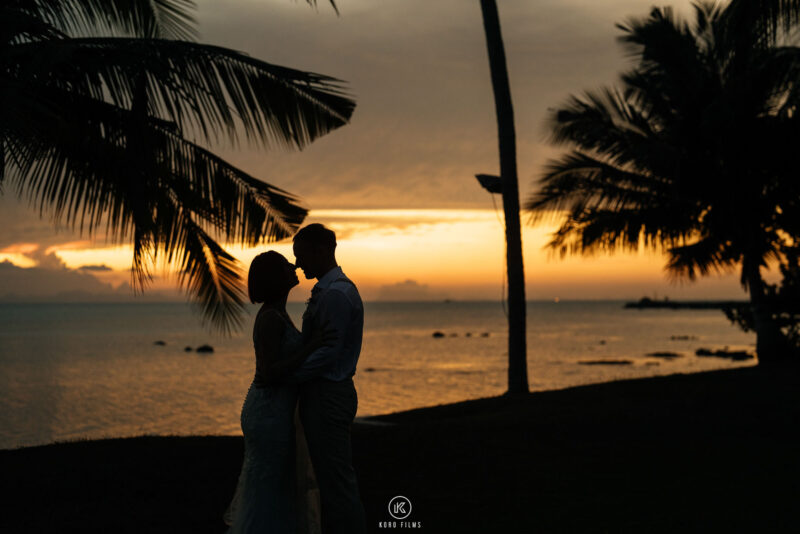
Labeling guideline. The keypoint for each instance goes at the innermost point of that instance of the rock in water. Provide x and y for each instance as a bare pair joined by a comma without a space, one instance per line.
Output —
438,334
205,348
735,355
667,355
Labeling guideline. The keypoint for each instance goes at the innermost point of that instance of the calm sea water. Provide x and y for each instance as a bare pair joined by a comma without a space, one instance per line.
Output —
70,371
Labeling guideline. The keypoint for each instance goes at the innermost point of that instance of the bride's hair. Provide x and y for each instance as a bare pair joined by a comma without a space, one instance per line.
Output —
266,279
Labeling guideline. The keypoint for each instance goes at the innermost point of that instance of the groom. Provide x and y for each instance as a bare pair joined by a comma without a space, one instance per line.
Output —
328,399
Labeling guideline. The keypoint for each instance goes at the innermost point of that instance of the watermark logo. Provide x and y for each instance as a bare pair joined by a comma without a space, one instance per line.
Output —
400,507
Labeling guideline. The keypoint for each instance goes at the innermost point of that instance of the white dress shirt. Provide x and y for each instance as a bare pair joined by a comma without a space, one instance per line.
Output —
335,301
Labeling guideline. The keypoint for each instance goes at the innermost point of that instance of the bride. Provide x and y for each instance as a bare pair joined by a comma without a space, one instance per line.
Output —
277,492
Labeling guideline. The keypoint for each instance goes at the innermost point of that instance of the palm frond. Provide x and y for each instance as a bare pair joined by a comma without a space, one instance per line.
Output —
672,67
100,134
587,231
333,4
760,22
579,182
170,19
703,257
601,121
165,195
202,88
239,207
706,14
693,153
20,25
778,73
211,275
660,40
607,122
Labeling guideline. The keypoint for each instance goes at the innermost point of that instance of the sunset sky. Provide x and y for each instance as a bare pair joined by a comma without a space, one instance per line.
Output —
397,184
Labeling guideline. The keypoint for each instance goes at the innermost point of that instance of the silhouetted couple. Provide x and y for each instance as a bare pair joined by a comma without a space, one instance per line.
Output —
297,475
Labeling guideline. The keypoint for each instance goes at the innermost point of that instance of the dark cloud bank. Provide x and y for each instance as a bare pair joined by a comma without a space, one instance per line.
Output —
46,284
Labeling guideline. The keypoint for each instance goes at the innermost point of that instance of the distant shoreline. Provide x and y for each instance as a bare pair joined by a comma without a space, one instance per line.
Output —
647,303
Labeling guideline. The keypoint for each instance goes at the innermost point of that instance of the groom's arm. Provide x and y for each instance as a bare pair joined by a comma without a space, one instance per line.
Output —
334,310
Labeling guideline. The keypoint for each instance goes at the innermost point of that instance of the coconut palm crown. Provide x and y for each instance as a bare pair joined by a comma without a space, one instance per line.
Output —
108,107
693,153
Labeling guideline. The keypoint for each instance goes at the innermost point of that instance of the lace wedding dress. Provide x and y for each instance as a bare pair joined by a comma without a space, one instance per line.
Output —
277,492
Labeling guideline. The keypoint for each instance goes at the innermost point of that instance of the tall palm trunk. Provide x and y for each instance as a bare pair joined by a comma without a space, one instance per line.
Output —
517,351
771,343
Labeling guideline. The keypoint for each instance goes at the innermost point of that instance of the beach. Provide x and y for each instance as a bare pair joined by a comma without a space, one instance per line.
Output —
712,451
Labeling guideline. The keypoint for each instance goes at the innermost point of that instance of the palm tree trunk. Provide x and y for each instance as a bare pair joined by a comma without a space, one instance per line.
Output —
771,343
517,351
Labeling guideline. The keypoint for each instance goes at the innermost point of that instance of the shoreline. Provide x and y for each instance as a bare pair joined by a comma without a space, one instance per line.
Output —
685,452
386,419
646,303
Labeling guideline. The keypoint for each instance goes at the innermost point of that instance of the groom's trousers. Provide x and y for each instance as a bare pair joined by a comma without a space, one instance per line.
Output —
327,410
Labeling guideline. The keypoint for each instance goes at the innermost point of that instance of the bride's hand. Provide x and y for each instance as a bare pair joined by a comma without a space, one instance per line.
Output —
324,336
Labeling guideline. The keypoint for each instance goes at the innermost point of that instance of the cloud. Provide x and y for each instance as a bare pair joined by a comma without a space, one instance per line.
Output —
95,268
21,225
46,260
352,223
41,282
20,248
408,290
59,284
44,257
424,122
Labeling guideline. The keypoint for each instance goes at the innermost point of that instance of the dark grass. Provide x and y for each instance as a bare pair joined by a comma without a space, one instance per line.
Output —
708,452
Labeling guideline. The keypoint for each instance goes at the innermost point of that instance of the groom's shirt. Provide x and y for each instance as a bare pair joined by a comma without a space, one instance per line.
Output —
334,300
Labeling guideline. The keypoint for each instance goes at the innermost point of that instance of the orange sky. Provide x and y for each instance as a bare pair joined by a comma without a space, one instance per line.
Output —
433,254
397,183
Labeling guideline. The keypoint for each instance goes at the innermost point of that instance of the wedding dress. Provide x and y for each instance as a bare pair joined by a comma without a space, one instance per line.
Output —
277,492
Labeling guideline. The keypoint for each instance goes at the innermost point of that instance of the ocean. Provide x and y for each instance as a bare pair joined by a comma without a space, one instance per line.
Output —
74,371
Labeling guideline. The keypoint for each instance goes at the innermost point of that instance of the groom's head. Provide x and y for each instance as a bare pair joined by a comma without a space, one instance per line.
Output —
314,250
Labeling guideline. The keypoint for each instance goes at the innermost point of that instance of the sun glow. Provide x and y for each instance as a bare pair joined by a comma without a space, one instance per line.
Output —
444,253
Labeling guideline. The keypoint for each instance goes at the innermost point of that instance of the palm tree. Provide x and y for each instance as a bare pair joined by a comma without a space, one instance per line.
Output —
693,154
517,351
105,106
